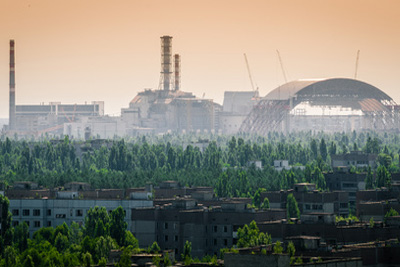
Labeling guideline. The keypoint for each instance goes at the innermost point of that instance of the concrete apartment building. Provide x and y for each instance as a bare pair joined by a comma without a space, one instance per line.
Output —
357,159
208,228
310,200
43,207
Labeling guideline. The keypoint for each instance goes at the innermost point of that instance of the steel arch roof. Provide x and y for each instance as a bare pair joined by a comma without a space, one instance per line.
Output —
327,88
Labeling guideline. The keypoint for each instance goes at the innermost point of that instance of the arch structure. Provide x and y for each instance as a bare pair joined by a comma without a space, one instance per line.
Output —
330,105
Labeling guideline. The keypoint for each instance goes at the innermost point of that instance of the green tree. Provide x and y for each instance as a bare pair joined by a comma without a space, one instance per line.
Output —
87,259
278,249
10,256
369,179
21,236
118,225
250,236
61,242
265,203
97,222
371,222
154,248
390,213
130,240
167,260
125,260
314,148
187,252
323,149
384,178
291,249
292,208
319,179
28,262
5,221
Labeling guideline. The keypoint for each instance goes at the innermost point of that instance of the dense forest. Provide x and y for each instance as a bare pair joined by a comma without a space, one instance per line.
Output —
208,160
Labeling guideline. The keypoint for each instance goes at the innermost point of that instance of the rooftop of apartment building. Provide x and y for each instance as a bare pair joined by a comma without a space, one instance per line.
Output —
74,190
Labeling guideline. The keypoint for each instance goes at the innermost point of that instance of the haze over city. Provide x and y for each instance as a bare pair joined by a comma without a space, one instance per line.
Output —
77,51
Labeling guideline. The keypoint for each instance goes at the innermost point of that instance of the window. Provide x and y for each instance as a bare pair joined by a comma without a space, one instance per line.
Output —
166,238
343,205
215,228
307,206
15,223
215,241
49,212
27,223
176,238
165,225
78,213
49,224
61,216
225,242
15,212
225,229
36,212
37,224
25,212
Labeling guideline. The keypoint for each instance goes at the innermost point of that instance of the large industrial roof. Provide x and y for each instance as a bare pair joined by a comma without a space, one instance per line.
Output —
327,88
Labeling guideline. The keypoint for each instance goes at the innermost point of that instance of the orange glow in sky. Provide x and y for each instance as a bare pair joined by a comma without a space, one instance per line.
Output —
101,50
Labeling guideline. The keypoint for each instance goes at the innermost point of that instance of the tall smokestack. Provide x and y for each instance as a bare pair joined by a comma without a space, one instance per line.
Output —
12,87
177,65
166,44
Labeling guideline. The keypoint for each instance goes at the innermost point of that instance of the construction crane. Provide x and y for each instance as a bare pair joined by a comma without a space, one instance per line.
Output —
356,70
248,70
283,69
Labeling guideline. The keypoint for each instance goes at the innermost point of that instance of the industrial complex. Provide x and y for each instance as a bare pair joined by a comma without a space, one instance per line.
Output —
331,105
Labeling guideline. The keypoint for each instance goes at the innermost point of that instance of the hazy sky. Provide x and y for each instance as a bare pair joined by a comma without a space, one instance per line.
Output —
84,50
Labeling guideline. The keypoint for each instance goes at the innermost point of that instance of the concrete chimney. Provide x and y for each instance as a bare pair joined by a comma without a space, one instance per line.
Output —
177,66
166,56
12,86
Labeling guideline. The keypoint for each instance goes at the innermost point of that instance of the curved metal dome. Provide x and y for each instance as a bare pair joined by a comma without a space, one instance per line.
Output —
273,111
332,87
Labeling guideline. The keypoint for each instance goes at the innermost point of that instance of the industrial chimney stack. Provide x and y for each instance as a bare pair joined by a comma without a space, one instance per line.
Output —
177,64
166,56
12,87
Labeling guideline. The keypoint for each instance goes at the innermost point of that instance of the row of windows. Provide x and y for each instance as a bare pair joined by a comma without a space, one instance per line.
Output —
36,213
36,224
176,239
27,212
314,207
215,228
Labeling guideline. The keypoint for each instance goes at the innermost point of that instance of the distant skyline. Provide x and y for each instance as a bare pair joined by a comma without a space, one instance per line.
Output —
74,51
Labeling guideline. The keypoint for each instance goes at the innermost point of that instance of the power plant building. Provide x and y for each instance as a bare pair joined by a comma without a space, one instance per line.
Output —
40,119
169,108
236,107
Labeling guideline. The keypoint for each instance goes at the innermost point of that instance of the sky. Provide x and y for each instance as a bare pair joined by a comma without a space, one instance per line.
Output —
76,51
